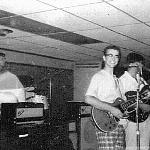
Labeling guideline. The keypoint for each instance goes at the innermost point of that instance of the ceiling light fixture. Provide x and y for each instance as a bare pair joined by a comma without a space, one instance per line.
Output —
4,32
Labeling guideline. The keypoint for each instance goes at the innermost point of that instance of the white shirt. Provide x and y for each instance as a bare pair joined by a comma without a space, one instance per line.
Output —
129,83
103,87
10,84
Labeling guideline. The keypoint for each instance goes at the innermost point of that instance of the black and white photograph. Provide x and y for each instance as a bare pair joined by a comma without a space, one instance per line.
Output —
75,74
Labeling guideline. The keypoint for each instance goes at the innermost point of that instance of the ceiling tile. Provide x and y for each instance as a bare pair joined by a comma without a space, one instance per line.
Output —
52,28
35,27
101,14
23,7
138,31
136,8
69,3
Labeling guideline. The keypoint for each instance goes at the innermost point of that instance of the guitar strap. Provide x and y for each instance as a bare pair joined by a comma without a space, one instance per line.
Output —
118,86
124,121
143,81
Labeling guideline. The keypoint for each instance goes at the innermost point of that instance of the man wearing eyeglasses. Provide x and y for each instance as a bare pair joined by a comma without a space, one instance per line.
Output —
101,93
133,82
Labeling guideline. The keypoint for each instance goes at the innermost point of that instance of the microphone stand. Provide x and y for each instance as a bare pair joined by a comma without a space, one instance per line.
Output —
137,113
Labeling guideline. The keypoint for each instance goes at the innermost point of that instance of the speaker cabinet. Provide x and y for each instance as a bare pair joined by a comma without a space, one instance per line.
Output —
87,137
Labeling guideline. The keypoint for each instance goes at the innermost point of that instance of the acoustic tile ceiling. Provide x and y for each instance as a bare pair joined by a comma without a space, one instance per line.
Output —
76,30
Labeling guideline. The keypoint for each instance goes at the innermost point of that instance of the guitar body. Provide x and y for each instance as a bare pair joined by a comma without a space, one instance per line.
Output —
142,115
104,120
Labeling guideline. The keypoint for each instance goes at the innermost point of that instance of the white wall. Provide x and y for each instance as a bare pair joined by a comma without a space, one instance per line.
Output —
37,60
82,77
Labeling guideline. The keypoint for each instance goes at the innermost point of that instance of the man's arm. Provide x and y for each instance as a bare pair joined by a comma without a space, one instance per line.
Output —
20,91
103,106
144,107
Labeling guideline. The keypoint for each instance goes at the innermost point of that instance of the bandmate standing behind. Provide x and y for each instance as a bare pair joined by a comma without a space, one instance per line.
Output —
11,89
130,80
102,91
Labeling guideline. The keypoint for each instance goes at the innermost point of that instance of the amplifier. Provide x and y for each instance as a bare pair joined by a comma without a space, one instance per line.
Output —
21,113
78,109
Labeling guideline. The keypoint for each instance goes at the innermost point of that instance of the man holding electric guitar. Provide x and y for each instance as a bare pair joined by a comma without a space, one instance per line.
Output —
101,94
131,81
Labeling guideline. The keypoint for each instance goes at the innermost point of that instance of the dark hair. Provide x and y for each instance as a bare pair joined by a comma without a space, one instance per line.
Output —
2,54
134,57
106,50
112,47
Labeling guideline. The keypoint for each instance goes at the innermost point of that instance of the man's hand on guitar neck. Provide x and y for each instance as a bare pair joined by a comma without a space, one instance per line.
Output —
116,112
146,93
104,106
144,107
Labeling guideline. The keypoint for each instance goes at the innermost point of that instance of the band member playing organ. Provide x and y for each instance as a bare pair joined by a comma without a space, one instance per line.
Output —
132,80
102,92
11,89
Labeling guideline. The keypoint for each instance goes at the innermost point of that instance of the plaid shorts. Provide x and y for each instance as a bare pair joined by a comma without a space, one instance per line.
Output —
114,140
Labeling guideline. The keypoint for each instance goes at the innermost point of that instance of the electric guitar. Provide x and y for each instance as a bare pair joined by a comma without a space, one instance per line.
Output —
106,122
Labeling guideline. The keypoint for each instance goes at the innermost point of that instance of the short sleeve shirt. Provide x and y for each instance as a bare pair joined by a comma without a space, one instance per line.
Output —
129,83
103,86
9,81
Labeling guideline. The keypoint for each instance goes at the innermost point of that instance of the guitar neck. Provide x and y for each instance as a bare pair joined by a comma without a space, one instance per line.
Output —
130,102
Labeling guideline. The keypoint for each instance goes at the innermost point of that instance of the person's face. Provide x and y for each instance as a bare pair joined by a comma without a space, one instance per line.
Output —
136,67
2,62
111,58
